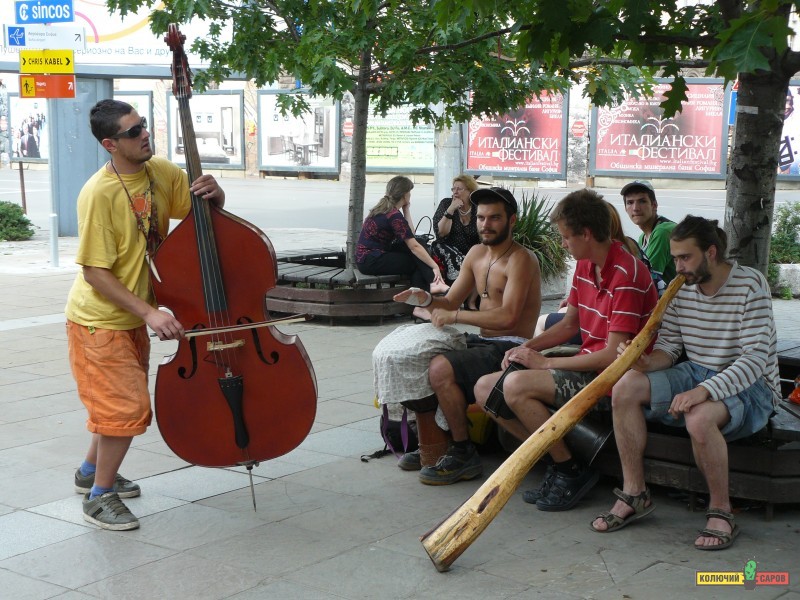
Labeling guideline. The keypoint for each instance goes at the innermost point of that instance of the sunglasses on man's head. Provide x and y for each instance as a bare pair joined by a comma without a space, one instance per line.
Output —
132,132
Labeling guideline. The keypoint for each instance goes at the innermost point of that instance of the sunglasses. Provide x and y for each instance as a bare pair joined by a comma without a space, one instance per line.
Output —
133,132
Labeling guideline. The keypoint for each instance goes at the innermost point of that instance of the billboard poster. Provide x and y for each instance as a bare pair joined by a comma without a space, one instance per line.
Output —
27,125
395,144
529,140
309,142
634,136
218,129
789,156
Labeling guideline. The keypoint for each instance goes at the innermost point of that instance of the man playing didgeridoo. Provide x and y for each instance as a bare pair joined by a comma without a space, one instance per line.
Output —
507,277
611,298
726,390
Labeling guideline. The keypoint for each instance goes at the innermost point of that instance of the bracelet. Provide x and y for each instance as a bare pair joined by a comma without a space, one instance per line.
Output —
455,321
447,215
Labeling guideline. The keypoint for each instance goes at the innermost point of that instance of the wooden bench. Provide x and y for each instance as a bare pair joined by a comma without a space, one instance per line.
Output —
316,282
764,467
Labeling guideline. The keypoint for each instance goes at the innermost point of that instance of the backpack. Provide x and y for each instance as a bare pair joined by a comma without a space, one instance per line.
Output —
399,437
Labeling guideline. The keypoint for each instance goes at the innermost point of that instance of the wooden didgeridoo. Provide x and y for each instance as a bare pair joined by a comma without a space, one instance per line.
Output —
448,540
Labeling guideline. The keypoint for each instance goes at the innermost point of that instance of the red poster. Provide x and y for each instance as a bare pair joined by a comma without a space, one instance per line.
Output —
635,136
528,140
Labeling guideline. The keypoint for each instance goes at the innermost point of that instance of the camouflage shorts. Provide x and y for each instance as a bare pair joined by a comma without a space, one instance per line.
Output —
569,383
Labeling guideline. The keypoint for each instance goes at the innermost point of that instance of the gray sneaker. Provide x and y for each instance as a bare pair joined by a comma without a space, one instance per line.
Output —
410,461
454,466
108,511
124,487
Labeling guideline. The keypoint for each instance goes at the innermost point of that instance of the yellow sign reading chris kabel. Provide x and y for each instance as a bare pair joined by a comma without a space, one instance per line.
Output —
46,61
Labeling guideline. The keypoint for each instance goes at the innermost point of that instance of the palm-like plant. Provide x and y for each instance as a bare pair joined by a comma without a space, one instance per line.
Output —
534,231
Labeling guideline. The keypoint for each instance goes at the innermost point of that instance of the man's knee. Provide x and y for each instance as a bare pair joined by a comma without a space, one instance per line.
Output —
706,419
440,372
484,387
632,390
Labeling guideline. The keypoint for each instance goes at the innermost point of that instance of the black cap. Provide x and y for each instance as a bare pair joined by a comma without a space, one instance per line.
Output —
494,194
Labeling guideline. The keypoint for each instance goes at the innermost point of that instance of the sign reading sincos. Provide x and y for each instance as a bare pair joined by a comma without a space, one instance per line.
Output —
44,11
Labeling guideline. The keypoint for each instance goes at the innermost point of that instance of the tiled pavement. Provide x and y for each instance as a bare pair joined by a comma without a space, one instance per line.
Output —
328,525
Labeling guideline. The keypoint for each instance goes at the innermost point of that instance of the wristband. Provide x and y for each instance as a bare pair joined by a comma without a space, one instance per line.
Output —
455,321
447,215
412,299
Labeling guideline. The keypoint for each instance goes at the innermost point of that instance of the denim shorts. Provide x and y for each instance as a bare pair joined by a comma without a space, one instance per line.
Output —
749,410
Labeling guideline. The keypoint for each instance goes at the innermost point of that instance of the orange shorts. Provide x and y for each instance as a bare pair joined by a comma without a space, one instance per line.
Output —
110,368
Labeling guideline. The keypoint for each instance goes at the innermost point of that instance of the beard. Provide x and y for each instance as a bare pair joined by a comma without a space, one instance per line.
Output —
499,238
700,275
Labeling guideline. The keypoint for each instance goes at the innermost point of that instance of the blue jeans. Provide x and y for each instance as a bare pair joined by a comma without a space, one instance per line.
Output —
749,410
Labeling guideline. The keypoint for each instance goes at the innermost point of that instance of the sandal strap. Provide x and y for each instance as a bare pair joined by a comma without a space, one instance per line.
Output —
723,536
637,502
718,513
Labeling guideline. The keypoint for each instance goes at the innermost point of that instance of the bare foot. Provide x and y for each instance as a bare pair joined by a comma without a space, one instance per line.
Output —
439,288
422,313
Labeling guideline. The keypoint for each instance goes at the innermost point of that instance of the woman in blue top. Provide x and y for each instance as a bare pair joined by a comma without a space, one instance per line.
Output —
377,254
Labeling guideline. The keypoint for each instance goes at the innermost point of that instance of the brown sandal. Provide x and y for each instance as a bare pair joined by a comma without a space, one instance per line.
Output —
637,503
727,538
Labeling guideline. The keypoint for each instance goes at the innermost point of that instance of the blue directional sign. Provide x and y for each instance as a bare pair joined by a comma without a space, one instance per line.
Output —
16,35
28,12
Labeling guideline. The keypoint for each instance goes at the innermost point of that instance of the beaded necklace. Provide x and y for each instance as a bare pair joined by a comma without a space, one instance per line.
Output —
146,211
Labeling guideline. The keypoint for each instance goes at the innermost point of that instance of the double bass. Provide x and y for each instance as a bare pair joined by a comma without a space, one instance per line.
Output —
236,392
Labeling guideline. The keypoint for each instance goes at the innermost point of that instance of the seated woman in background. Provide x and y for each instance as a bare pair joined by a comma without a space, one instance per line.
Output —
616,233
377,255
456,229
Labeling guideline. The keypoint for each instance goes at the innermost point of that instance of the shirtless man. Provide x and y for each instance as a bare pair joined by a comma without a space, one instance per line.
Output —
508,279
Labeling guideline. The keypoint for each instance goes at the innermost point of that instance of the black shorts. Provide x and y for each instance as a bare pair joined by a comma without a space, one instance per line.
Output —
482,356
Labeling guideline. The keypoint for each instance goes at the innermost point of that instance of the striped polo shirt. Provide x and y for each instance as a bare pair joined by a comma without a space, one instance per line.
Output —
731,332
621,301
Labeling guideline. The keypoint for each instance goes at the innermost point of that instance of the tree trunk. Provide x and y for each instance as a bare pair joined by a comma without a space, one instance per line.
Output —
358,158
752,172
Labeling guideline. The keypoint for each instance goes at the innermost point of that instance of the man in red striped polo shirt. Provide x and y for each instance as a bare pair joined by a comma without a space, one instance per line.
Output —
611,298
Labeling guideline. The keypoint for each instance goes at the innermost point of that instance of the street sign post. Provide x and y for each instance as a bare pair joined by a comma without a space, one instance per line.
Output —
47,86
46,61
46,37
29,12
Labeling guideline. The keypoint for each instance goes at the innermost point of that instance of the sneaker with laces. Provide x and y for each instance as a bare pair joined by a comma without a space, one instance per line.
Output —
124,487
533,496
109,512
410,461
455,465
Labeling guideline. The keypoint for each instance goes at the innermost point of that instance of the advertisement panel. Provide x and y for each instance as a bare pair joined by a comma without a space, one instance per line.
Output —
635,136
789,156
309,142
529,140
218,129
395,144
27,123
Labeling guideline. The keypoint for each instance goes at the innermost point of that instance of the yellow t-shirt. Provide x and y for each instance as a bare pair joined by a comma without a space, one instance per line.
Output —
110,238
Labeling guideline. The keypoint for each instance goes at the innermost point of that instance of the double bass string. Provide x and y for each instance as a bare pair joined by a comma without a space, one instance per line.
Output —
215,301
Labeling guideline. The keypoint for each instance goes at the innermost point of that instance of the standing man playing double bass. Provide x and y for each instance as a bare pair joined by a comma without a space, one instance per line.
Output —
123,214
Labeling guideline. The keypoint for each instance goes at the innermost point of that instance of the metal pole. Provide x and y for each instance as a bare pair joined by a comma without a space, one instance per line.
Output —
22,188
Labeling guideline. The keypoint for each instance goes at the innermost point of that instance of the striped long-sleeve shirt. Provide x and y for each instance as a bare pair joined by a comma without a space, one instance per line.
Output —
731,332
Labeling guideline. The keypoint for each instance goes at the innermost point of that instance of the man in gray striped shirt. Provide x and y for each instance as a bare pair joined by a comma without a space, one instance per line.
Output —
726,389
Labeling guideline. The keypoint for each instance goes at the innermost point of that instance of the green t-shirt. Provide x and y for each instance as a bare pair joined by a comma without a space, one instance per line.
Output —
656,247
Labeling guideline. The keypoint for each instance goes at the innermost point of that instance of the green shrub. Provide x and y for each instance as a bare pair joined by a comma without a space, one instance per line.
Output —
534,231
14,225
785,245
